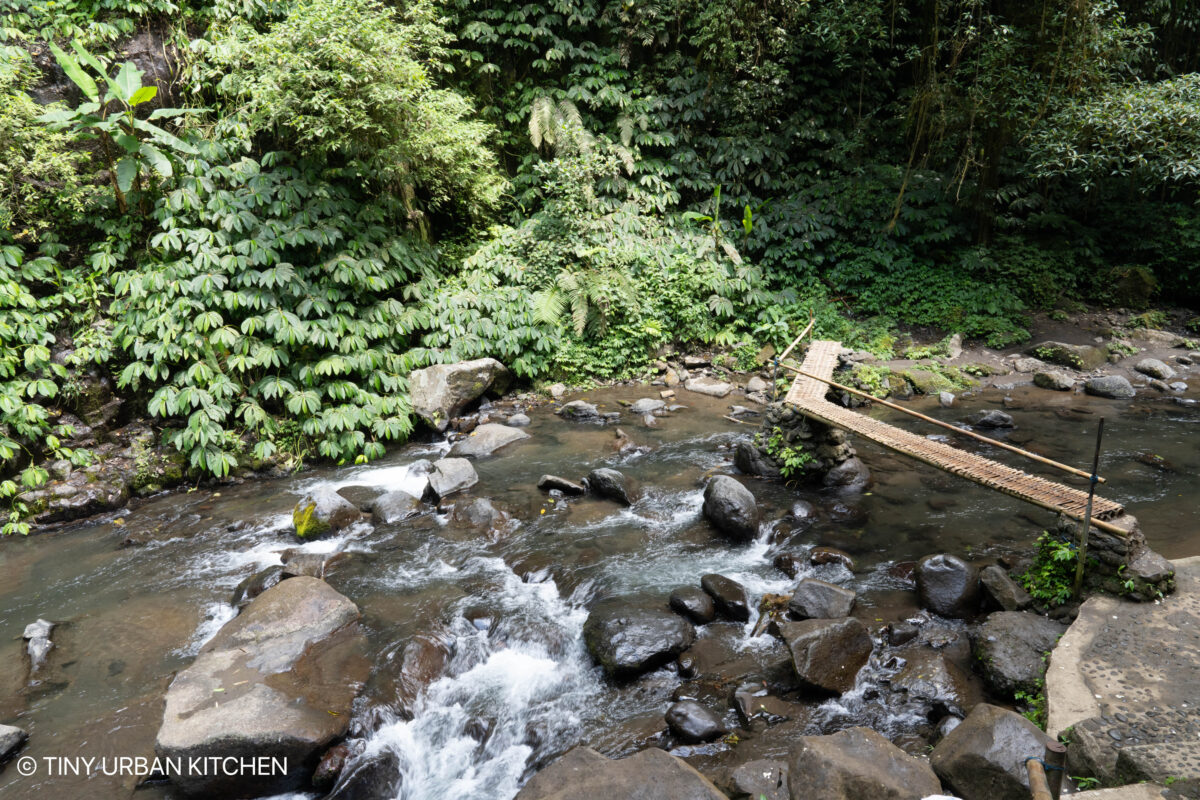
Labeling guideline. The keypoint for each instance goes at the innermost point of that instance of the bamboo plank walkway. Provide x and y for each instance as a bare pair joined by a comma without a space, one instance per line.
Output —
808,397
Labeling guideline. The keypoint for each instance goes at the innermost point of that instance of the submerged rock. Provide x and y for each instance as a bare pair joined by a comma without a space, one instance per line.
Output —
830,555
578,410
629,641
611,484
984,757
552,482
1115,387
396,506
584,774
728,595
486,440
37,642
451,475
323,512
277,681
694,603
1011,647
731,507
255,585
11,737
857,764
441,392
693,722
947,585
827,653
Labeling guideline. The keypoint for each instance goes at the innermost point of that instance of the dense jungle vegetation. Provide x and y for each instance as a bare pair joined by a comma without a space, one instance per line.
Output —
260,225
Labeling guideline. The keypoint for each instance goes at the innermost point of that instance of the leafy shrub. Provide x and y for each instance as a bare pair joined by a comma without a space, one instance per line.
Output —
1050,579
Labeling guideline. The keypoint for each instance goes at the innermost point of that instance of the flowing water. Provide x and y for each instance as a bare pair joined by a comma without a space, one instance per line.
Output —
520,687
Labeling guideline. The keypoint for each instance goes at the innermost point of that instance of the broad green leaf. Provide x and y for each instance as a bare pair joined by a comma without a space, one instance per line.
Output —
143,95
161,164
127,169
128,82
75,72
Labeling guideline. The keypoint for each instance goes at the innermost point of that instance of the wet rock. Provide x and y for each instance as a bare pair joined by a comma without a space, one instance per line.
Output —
11,737
578,410
856,764
629,641
610,484
441,392
694,603
693,723
984,757
369,777
991,419
1178,386
731,508
276,681
905,572
451,475
647,405
947,724
486,440
296,565
934,677
708,386
423,661
1155,369
1082,357
899,633
584,774
750,460
1011,648
554,483
479,514
331,765
1054,380
518,421
255,585
849,474
754,702
1116,387
728,595
396,506
1001,591
789,564
37,642
817,599
323,512
827,654
830,555
761,779
947,585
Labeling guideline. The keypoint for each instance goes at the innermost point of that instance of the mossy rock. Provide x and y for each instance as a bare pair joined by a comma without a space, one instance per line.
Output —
934,381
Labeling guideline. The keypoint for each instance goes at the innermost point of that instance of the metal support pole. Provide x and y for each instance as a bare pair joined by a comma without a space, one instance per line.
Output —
1055,759
1081,555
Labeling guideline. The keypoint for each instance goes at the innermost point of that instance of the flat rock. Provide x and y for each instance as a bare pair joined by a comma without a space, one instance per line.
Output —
396,506
1155,369
731,508
1029,365
451,475
709,386
486,440
817,599
826,653
984,757
1116,387
1011,647
1054,380
277,681
1002,592
647,405
857,764
627,640
552,482
323,512
440,393
652,774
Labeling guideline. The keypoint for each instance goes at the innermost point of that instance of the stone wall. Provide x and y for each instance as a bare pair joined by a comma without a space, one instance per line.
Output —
1122,565
831,460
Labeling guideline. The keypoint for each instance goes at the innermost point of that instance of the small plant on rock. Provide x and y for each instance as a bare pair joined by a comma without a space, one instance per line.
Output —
1049,578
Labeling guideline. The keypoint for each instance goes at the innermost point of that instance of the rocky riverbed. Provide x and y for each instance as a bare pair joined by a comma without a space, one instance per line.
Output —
577,594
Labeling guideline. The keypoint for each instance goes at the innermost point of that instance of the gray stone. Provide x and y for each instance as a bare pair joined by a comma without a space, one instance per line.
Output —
557,390
652,774
947,585
731,508
693,722
374,776
1116,387
849,474
1077,356
255,585
396,506
750,460
827,654
1029,365
817,599
708,386
857,764
486,440
1003,592
609,483
627,641
1054,380
323,512
1178,386
518,421
1155,369
297,565
440,393
984,757
761,779
934,677
694,603
277,681
728,595
757,384
552,482
37,642
578,410
11,737
945,399
647,405
991,419
451,475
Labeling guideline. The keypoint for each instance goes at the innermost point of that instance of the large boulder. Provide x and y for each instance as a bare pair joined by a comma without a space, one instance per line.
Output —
1002,592
11,737
487,439
628,641
1011,648
440,393
731,508
817,599
1116,387
653,774
947,585
728,595
708,386
1082,357
827,653
984,757
451,475
550,483
277,681
1053,379
579,410
1155,369
323,512
611,484
693,722
750,460
395,507
934,677
693,603
855,764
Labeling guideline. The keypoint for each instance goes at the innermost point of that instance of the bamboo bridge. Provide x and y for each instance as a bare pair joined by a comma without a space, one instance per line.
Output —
807,395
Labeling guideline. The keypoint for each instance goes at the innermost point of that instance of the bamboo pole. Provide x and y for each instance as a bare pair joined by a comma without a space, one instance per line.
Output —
1039,789
1055,762
1011,448
812,320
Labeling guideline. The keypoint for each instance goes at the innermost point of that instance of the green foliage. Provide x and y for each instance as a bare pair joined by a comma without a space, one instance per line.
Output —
1051,577
84,20
792,460
1035,704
